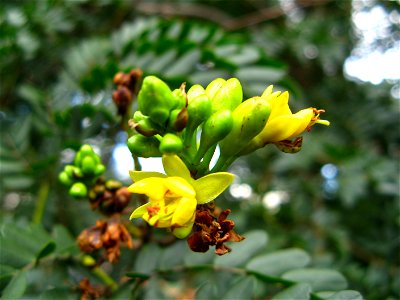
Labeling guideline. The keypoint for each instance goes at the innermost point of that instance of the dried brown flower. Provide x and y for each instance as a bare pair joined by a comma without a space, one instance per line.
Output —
109,235
89,291
211,231
109,197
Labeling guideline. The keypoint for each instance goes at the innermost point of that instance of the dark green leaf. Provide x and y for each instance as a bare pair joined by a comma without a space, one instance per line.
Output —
64,241
48,249
135,275
58,293
298,291
173,255
148,259
16,287
319,279
242,251
279,262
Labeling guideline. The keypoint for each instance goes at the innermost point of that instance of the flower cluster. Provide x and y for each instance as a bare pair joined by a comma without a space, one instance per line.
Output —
174,196
85,170
168,124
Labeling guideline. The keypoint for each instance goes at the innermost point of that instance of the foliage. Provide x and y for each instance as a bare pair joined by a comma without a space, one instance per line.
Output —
57,63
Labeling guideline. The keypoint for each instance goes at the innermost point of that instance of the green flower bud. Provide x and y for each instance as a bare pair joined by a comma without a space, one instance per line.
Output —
171,143
88,261
199,109
78,172
249,119
179,96
78,159
214,129
78,190
88,165
69,169
155,99
86,150
214,86
142,146
144,125
178,119
113,184
228,96
195,91
65,179
100,169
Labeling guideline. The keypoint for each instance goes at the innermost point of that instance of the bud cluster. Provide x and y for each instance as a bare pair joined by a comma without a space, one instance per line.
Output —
169,121
85,170
127,87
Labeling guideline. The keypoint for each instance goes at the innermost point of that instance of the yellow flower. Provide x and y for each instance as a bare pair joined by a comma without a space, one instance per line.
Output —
282,124
173,197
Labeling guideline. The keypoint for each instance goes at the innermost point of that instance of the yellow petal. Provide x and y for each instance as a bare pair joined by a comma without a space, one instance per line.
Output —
184,211
139,212
140,175
211,186
280,106
153,187
174,166
179,186
267,92
305,116
280,128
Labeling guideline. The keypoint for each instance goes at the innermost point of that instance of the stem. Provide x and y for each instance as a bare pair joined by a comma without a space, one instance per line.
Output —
103,276
43,195
137,164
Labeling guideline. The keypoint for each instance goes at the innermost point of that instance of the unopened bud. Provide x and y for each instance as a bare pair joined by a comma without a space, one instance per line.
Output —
214,129
171,143
199,109
64,178
179,96
155,99
249,119
78,190
228,96
88,165
142,146
178,119
195,91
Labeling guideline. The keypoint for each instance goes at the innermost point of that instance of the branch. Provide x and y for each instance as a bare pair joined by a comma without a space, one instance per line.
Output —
209,13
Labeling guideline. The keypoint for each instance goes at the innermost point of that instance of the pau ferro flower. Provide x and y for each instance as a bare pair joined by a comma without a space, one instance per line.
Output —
174,196
283,125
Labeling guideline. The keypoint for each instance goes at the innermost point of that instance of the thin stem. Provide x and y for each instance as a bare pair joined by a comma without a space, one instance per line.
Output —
137,165
103,276
40,207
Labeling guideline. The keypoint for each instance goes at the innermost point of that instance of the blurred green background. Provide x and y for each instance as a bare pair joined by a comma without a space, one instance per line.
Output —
337,198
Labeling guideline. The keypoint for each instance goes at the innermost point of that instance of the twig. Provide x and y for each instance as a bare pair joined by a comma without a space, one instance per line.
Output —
215,15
